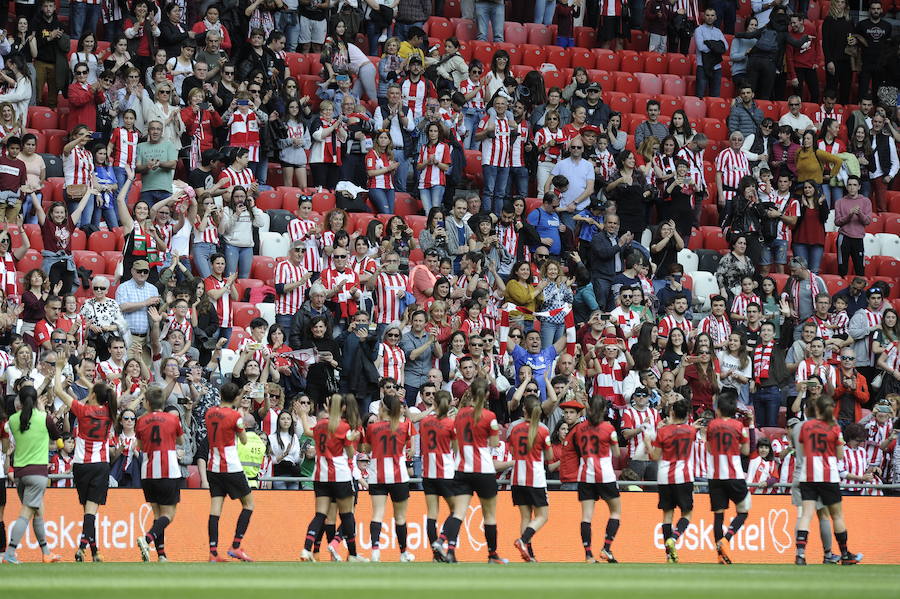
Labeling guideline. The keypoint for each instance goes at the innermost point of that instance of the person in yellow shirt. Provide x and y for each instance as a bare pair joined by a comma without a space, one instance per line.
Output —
413,45
252,453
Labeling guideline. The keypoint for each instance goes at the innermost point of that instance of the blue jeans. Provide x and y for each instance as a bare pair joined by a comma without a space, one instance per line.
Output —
92,214
518,180
373,32
432,197
238,259
550,332
261,169
543,12
402,173
284,321
152,196
28,207
471,118
121,175
383,200
709,87
202,251
811,253
766,402
493,13
289,24
494,192
224,333
602,287
832,194
84,18
568,219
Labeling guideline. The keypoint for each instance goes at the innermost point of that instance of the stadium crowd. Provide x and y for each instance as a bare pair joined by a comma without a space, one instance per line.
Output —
307,197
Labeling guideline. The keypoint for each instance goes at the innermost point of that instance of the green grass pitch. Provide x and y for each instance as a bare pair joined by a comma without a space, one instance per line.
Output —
460,581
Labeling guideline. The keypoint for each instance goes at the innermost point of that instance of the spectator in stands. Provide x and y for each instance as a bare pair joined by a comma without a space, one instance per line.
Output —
837,30
607,249
172,32
596,110
23,43
547,222
84,98
52,47
884,164
803,66
738,53
211,24
156,161
798,121
13,181
763,8
136,298
745,116
576,91
628,187
488,13
709,76
766,58
239,216
580,175
651,127
810,160
862,328
852,214
874,35
142,31
19,86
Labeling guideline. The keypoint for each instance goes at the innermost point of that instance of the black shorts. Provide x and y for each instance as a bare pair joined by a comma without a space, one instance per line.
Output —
2,493
827,493
334,490
233,484
92,482
397,491
723,491
679,496
595,491
161,491
443,487
533,496
474,483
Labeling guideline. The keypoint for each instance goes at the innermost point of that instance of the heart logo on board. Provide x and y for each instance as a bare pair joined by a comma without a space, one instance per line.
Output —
779,522
468,523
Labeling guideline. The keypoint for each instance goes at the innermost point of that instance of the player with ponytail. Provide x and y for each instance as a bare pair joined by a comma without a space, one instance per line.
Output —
529,443
438,445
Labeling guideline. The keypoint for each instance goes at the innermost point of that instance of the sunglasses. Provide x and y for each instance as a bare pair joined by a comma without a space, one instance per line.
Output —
339,256
58,340
516,336
390,386
127,417
275,395
228,72
794,104
81,72
164,91
142,271
392,335
576,147
848,358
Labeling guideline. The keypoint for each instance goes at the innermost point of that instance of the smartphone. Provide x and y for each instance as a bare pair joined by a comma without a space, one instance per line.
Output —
183,401
361,327
243,102
255,346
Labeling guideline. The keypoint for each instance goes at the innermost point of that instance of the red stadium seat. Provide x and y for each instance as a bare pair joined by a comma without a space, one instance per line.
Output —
696,240
714,238
669,104
102,241
452,9
694,107
290,195
714,129
111,259
834,283
515,53
876,226
323,202
31,260
620,102
581,57
484,52
439,27
242,285
297,63
268,200
893,199
717,108
532,56
656,64
42,118
673,85
416,223
631,61
891,222
466,31
770,109
34,236
627,83
473,166
532,204
359,221
604,78
539,34
515,33
554,79
605,59
79,240
558,56
237,337
679,64
263,268
585,37
520,70
89,260
55,140
406,205
649,84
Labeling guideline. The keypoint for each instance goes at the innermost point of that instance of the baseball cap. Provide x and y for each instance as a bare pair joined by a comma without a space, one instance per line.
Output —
594,87
415,58
139,264
642,391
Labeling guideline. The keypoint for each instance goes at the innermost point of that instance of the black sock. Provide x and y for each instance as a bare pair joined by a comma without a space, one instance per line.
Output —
400,529
667,531
841,538
431,527
212,527
241,529
156,531
490,535
530,550
375,534
735,525
527,534
718,523
612,527
802,535
586,537
161,542
313,530
348,530
451,530
329,530
680,527
89,532
2,536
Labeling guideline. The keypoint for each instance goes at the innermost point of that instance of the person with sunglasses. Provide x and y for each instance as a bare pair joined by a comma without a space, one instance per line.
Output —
45,329
84,98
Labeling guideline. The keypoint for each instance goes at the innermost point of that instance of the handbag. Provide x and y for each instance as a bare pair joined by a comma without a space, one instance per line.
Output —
76,192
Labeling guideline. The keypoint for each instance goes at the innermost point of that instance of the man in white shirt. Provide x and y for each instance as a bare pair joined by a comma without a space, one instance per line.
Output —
798,121
580,174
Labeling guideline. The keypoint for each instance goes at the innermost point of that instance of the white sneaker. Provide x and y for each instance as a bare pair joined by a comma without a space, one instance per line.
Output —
307,556
357,558
334,550
383,37
406,556
375,556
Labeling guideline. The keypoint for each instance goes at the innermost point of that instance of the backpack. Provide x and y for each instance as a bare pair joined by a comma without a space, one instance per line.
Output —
767,42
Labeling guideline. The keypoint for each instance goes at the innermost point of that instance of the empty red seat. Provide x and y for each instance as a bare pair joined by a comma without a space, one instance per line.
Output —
515,33
42,118
668,104
680,64
715,129
605,59
714,238
484,52
581,57
717,108
102,241
89,260
242,285
539,34
532,56
620,102
673,85
466,31
297,63
649,84
558,56
656,64
237,337
585,37
269,200
263,268
876,226
406,205
694,107
627,83
416,222
439,27
31,260
323,201
834,283
554,79
631,61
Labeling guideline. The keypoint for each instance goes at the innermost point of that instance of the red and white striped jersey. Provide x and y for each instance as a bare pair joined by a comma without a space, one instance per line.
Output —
699,456
60,464
626,319
416,93
107,370
785,464
474,440
820,442
717,328
331,459
676,464
609,382
824,371
740,303
724,438
184,326
301,229
841,322
543,137
822,113
223,304
124,144
789,207
856,462
607,163
243,178
269,423
375,161
223,425
393,360
522,133
436,436
258,354
388,462
877,432
733,165
671,321
344,282
666,164
91,433
593,446
528,464
477,102
387,303
290,302
209,235
243,132
158,433
78,166
431,175
760,471
695,160
634,418
326,240
495,151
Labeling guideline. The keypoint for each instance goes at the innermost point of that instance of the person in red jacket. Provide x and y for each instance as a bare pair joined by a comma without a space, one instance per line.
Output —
851,392
199,123
803,64
83,99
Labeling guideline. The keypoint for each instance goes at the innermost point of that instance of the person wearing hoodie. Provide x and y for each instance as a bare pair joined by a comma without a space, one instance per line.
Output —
766,58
